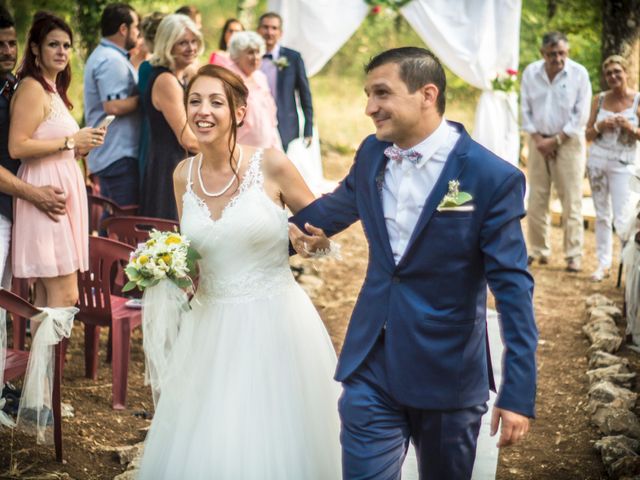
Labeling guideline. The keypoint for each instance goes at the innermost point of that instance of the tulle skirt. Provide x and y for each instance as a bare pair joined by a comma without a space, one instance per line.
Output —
250,395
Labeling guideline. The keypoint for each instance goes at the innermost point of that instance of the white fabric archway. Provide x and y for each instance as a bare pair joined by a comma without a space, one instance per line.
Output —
475,39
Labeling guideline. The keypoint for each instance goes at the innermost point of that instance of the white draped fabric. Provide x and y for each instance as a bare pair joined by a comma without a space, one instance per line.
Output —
474,39
34,412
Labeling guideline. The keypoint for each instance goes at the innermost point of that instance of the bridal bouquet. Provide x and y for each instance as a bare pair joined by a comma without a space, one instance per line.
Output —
506,81
166,255
163,267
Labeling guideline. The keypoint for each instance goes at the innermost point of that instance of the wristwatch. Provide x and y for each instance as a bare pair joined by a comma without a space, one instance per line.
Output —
69,143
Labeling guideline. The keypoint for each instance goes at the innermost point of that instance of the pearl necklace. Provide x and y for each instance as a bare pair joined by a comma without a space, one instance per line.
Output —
224,190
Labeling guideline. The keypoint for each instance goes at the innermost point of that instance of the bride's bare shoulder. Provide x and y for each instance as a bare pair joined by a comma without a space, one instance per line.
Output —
181,172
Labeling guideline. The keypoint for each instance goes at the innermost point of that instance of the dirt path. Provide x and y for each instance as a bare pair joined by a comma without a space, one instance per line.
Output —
558,447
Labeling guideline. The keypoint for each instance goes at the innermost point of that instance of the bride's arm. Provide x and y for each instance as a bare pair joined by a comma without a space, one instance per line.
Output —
293,190
180,183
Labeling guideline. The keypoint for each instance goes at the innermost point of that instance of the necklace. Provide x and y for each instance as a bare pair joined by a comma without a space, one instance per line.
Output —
223,191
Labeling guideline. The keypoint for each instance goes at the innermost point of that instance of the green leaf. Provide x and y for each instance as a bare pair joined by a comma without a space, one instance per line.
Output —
192,254
132,273
129,286
463,197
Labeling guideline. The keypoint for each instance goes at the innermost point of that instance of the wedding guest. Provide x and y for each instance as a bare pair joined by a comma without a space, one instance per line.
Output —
613,131
46,138
555,96
221,56
260,125
287,78
111,88
194,14
148,28
177,45
49,199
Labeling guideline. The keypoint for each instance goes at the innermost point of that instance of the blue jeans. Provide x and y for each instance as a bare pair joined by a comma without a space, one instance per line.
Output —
120,181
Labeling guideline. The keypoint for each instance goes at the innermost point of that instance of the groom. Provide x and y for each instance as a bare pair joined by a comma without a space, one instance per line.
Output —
442,218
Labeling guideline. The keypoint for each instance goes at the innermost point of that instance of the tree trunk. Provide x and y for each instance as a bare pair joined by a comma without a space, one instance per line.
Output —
246,13
620,35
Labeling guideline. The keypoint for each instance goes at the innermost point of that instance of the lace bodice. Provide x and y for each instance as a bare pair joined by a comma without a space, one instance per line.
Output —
245,253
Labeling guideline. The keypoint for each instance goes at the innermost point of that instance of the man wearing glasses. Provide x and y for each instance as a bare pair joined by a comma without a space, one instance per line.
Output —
555,96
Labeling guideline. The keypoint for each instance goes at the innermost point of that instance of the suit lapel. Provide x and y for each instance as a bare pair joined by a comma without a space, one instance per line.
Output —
280,77
374,182
452,169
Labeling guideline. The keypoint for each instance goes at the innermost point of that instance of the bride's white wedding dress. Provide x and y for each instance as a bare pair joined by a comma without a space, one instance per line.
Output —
250,391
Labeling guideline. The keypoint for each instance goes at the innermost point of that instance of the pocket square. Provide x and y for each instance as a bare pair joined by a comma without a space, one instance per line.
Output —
459,208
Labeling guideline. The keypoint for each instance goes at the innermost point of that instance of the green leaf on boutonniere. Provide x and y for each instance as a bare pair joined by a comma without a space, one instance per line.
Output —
454,197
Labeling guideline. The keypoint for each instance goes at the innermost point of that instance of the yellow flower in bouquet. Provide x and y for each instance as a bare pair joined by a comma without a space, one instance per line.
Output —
166,255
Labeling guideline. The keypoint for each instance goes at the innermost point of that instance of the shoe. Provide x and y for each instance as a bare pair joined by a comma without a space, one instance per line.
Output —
574,265
542,260
600,274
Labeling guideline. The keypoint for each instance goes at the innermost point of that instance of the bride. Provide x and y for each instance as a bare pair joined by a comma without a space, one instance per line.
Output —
249,392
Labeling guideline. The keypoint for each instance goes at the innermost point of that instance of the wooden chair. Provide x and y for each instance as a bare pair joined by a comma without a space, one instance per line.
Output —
20,287
16,363
98,205
134,230
100,307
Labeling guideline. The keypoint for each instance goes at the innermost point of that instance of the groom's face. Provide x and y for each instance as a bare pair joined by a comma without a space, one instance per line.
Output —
396,113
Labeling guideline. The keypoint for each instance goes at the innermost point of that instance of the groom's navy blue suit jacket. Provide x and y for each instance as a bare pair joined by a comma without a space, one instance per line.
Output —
433,302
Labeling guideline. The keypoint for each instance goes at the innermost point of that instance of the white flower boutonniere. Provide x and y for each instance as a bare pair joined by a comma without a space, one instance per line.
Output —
454,199
281,63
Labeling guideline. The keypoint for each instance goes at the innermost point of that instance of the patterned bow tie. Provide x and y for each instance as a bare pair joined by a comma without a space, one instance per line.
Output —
398,155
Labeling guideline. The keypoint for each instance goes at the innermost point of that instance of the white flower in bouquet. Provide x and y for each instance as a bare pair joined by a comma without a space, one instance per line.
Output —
166,255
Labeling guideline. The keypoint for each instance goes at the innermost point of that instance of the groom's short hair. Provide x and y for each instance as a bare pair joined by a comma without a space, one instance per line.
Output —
418,67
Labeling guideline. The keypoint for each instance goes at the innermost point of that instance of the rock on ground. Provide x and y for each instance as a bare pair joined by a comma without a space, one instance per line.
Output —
600,359
617,374
616,421
616,447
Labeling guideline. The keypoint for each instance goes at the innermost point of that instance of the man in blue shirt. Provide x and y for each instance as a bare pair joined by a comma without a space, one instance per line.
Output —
110,88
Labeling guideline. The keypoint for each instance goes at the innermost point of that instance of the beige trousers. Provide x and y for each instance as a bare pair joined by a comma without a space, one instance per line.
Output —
565,172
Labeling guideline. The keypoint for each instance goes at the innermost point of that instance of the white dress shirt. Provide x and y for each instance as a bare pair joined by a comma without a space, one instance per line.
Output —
407,186
563,105
270,69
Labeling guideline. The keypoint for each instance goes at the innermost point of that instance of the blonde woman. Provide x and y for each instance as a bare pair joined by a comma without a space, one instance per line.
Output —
613,131
178,43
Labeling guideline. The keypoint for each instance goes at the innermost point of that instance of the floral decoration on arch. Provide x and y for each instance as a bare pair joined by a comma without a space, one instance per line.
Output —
506,81
378,5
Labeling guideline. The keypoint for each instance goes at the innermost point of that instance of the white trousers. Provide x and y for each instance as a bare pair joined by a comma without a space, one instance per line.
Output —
5,252
610,191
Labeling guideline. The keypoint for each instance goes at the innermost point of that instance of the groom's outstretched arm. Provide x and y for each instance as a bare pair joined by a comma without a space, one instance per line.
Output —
505,260
334,211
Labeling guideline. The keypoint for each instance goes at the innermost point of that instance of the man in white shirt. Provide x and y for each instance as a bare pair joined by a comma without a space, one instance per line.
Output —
556,98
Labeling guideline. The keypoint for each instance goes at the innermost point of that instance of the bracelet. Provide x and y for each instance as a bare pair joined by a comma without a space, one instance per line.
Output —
334,251
595,127
558,139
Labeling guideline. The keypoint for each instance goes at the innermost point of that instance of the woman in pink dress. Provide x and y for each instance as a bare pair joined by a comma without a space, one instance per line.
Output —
260,125
221,57
46,138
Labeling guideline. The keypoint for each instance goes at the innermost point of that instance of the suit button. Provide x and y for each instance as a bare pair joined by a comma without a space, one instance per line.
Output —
395,279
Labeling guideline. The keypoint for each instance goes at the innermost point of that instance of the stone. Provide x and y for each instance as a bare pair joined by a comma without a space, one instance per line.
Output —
128,453
625,467
597,299
600,359
611,310
127,475
616,447
606,342
616,421
617,374
607,394
310,283
603,325
67,410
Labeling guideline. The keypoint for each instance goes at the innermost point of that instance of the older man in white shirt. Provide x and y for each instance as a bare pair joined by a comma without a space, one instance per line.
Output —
555,96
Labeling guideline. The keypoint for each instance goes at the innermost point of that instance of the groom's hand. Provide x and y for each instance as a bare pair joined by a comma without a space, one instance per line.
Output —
307,245
514,426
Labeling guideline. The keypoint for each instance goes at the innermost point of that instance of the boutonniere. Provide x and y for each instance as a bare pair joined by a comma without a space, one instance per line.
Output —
281,63
454,197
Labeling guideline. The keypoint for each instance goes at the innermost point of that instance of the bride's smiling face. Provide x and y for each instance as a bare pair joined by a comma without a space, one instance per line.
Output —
208,112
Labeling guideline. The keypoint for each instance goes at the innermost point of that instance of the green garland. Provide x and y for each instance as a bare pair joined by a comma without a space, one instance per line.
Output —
392,4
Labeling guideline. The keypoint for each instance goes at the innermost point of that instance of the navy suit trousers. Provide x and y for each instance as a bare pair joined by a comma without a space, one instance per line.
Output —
376,430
